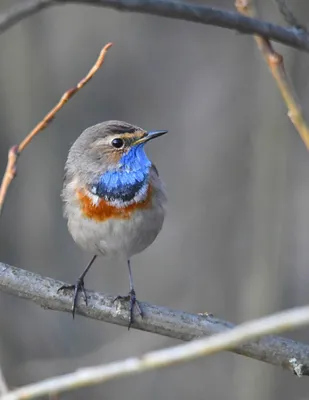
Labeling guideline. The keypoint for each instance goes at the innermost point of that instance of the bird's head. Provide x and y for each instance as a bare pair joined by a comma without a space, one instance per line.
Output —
111,159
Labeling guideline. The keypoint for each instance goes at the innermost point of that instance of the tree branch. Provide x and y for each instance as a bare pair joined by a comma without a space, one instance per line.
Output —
163,321
171,9
285,320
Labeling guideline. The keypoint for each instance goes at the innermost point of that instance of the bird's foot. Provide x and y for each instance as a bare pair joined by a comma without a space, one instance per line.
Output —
131,297
78,287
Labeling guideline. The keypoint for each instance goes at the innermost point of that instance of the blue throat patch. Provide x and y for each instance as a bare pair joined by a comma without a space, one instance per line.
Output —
127,179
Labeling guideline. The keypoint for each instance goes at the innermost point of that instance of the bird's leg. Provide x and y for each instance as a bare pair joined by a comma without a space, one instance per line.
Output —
131,297
79,286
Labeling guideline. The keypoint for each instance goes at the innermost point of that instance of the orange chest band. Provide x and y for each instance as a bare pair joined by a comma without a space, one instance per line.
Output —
104,211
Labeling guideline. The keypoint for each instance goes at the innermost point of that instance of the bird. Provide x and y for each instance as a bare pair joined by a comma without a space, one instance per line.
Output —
114,200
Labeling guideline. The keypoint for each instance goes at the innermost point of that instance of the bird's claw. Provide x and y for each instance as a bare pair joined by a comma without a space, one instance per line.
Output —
131,297
79,286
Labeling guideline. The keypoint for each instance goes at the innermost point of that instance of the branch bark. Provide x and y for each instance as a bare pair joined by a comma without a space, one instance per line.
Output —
171,9
163,321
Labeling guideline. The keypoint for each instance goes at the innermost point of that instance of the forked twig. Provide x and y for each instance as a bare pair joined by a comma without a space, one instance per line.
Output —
276,66
289,16
16,150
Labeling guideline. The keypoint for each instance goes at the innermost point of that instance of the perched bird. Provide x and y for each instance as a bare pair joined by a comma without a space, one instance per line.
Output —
113,196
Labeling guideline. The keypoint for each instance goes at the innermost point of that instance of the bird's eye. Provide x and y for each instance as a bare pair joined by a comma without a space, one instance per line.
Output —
118,143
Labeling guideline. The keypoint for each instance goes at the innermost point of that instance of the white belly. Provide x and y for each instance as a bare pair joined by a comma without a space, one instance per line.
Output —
117,237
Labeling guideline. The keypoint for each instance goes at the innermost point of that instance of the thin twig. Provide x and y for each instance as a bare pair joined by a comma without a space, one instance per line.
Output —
161,320
276,66
171,9
286,320
289,16
16,150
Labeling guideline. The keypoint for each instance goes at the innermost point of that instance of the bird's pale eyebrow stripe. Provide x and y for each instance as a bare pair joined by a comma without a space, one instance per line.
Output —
130,136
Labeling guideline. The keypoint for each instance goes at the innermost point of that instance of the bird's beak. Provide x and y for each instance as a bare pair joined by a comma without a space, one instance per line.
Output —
149,136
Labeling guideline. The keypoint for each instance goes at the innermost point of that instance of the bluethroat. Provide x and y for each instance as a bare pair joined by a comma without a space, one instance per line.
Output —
113,197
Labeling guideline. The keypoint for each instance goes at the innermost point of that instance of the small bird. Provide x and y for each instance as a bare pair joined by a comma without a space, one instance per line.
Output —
114,200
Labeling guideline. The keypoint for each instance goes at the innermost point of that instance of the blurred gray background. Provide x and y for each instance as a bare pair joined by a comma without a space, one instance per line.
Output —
236,238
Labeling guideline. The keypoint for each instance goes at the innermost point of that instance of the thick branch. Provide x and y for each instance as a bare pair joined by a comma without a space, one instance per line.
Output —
167,322
171,9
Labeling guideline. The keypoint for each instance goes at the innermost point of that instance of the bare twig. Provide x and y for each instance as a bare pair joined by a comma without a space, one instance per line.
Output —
276,66
3,386
16,150
288,15
171,9
163,321
286,320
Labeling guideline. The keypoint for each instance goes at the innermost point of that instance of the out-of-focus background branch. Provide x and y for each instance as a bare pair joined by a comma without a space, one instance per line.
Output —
288,319
171,9
237,180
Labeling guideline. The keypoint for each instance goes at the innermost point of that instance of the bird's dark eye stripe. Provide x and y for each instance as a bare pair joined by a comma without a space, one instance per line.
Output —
131,130
122,129
117,143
